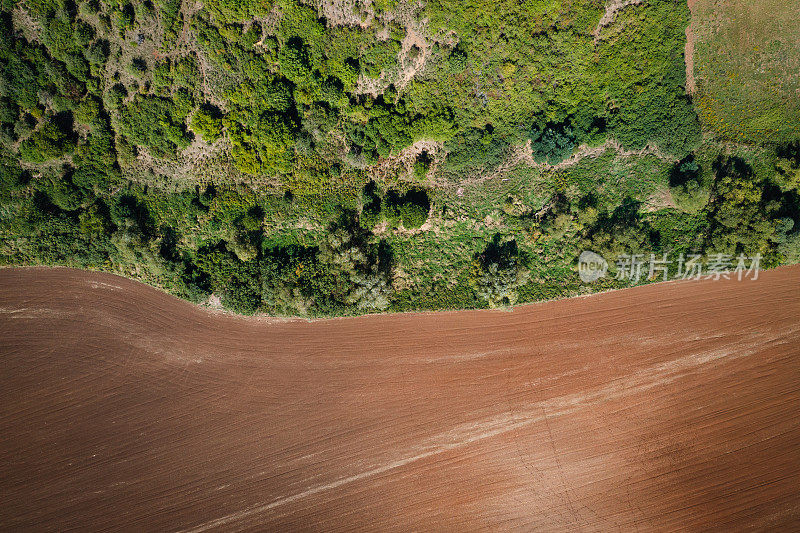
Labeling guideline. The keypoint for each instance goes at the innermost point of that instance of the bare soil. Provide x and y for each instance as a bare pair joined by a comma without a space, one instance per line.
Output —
691,84
667,407
612,8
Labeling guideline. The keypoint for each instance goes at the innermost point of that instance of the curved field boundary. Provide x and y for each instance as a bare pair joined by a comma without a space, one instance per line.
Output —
664,407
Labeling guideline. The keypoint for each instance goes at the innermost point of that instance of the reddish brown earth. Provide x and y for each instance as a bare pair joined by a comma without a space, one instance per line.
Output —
666,407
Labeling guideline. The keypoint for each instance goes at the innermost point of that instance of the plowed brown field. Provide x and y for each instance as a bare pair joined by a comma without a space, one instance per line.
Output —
671,406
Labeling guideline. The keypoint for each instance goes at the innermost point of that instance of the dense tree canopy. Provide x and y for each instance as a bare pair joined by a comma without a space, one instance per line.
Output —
295,159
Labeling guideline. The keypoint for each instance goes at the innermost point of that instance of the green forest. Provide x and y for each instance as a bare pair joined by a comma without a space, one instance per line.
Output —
320,159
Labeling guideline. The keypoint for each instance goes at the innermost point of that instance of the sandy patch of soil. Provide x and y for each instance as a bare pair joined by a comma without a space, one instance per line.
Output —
22,20
403,163
612,8
660,199
415,50
348,12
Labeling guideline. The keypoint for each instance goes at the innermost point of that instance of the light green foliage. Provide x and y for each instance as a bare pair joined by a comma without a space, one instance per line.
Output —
740,218
788,166
380,57
207,125
169,13
686,185
237,10
155,123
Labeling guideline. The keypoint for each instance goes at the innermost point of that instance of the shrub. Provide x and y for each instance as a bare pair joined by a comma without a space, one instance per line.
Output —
137,67
48,142
686,185
236,281
156,123
186,73
9,111
410,209
112,99
552,144
473,151
294,62
63,193
421,165
738,215
207,123
788,166
372,203
97,52
497,272
457,59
